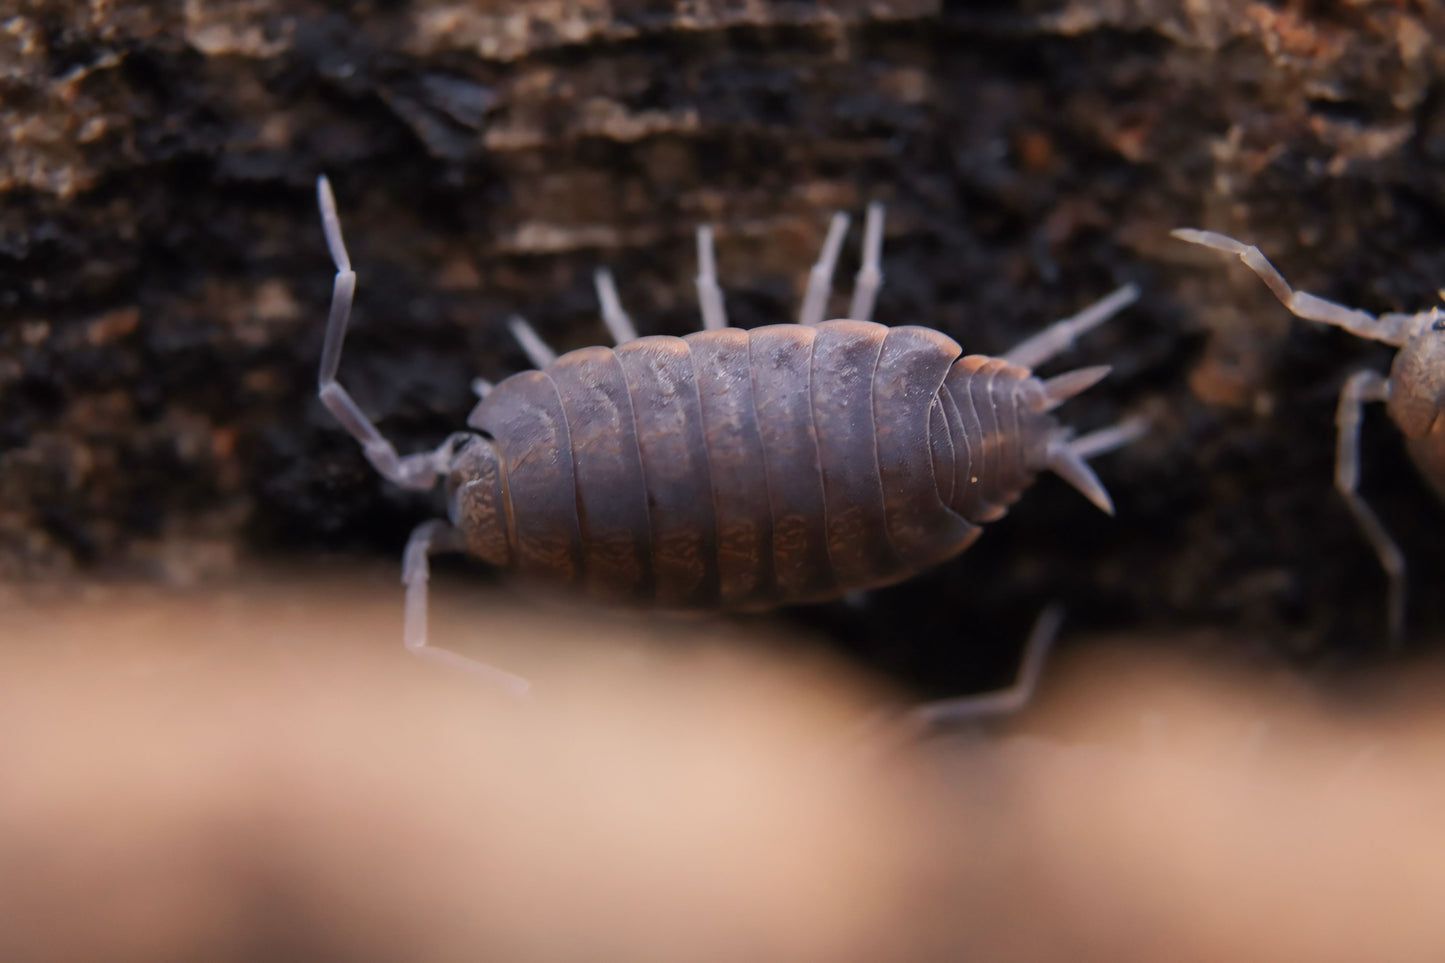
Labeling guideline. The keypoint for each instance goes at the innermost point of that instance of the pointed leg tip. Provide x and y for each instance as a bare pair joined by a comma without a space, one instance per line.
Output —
1070,465
1100,499
1061,388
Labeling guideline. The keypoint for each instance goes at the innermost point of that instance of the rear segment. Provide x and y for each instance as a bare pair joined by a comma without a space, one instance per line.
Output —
990,423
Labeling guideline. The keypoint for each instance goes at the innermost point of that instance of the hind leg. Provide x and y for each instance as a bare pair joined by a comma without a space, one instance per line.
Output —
948,712
820,278
709,295
1060,335
537,351
870,272
616,319
427,539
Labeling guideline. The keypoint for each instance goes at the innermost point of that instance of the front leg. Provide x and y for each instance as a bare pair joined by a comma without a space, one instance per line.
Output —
1366,386
427,539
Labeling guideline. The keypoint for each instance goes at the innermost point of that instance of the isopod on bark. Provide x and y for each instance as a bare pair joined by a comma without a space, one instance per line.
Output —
1414,397
735,469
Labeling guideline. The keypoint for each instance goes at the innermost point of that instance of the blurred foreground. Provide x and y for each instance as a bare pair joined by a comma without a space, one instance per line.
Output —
261,772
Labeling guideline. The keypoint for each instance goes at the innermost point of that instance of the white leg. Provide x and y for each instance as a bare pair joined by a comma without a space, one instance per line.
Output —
1389,328
820,279
1061,388
430,538
413,471
1060,335
870,273
1107,439
616,319
1366,386
1015,697
532,344
709,295
481,387
1069,459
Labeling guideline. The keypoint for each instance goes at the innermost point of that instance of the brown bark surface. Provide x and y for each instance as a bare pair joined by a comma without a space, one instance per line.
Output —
163,279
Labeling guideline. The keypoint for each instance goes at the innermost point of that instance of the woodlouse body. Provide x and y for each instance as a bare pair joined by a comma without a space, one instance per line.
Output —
745,469
1414,396
735,469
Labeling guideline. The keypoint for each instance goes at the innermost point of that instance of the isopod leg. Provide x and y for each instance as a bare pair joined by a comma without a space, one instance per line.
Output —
427,539
820,278
1107,439
417,471
1060,335
870,273
1061,388
1366,386
948,712
532,344
616,319
481,387
709,295
1068,457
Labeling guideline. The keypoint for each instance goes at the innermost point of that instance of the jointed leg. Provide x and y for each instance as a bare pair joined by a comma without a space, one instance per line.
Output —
1366,386
709,295
1015,697
870,274
1390,328
616,319
413,471
1061,334
1107,439
430,538
532,344
820,279
1069,459
1061,388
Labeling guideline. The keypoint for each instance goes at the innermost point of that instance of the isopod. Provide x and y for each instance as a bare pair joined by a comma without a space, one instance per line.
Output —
736,469
1414,397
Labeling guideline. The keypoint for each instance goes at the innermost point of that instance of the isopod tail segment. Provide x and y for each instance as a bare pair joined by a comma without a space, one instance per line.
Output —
1414,396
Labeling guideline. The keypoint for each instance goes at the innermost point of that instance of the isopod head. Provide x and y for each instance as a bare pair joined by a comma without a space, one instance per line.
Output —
476,500
1417,396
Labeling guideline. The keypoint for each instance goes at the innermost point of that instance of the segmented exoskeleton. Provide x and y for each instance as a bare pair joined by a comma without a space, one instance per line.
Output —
737,469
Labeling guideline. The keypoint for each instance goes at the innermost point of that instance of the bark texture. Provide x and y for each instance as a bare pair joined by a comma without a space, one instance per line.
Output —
163,279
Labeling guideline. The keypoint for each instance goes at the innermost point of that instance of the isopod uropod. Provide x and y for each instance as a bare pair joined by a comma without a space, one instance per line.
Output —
1414,396
736,469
